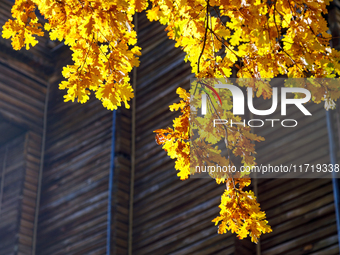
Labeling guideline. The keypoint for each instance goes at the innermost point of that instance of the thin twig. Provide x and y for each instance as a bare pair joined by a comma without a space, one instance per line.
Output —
86,56
205,38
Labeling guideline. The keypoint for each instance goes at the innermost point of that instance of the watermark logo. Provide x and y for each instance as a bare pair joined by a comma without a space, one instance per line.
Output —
209,95
238,100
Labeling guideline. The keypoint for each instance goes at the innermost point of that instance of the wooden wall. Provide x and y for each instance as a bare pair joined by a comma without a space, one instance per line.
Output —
20,160
73,214
300,211
23,83
23,79
74,193
32,152
73,210
12,165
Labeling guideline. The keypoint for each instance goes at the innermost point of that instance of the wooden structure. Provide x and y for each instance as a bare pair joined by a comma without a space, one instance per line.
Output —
55,162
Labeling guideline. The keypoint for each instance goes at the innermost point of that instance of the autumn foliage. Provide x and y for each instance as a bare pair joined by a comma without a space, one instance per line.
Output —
259,39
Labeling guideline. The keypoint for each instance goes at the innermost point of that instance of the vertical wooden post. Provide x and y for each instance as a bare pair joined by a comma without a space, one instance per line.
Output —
111,177
42,155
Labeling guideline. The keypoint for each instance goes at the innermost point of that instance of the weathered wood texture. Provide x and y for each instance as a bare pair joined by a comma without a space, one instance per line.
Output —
8,131
20,167
23,83
73,212
14,128
12,165
74,195
300,211
29,194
